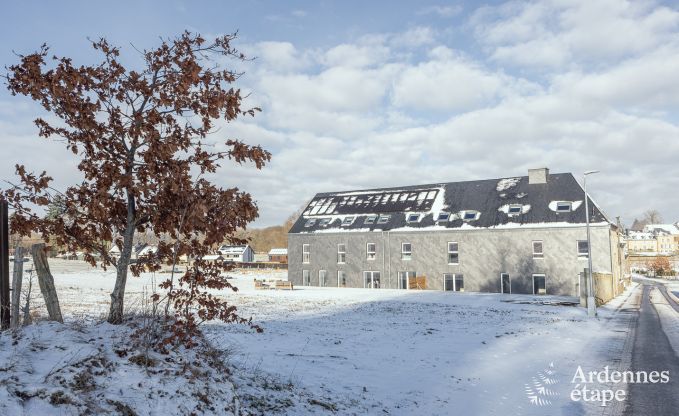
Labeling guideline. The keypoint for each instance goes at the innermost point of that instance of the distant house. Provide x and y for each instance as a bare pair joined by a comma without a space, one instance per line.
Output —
138,250
278,255
238,254
655,238
514,235
213,257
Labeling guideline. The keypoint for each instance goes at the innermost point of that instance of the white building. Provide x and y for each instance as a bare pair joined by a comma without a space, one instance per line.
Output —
238,254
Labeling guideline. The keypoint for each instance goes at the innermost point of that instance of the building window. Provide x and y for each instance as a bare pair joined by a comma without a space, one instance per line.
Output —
538,250
370,219
443,216
514,209
413,218
406,251
539,284
383,219
582,249
341,253
371,251
448,282
348,221
459,283
505,283
453,253
322,278
306,253
306,278
324,221
470,215
341,278
564,207
371,280
404,279
310,222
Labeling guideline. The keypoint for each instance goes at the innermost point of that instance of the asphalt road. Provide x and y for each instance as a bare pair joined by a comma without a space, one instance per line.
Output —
653,352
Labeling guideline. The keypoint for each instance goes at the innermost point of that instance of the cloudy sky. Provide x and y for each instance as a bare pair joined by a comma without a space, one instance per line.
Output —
383,93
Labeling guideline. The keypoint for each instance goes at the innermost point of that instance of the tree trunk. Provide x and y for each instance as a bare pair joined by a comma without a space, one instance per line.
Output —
115,315
16,285
46,282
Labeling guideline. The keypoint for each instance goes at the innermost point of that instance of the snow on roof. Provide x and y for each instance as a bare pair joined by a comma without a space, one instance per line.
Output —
225,249
668,228
640,235
480,196
504,184
278,252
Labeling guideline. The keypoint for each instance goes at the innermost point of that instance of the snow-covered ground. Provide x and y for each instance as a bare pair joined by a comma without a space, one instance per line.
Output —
362,351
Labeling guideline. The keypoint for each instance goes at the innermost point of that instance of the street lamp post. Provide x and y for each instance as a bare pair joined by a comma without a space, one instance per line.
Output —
591,305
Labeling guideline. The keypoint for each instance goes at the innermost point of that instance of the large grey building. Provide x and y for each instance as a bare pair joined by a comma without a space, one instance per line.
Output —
514,235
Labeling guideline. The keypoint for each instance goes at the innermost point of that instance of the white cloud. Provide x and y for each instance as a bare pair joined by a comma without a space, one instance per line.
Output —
443,11
557,33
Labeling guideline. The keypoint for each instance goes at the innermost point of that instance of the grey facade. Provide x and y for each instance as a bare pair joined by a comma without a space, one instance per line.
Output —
479,257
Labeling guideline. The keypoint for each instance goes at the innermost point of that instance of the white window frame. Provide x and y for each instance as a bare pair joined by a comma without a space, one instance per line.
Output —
541,254
502,289
564,204
408,274
584,255
515,207
450,251
342,252
347,221
324,281
413,218
370,219
383,219
537,275
476,214
370,255
306,253
372,279
406,255
446,214
306,277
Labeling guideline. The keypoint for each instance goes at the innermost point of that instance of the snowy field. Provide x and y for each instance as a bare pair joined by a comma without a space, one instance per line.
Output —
362,351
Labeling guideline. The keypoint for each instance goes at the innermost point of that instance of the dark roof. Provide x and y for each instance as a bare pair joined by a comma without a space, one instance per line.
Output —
484,196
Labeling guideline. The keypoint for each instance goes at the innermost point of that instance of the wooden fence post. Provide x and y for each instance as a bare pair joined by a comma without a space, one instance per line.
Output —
46,282
4,265
16,285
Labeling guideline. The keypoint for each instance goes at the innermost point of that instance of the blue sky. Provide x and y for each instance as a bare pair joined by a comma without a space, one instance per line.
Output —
383,93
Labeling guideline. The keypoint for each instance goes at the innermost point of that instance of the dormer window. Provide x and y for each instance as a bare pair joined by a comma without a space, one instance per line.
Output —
471,215
443,216
413,218
324,221
384,219
370,219
564,207
514,209
348,221
310,222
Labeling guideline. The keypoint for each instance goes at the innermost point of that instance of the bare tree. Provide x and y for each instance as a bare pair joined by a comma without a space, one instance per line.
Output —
652,216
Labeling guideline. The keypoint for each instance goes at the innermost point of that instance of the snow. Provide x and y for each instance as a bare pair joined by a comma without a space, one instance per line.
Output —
504,184
505,208
574,205
668,228
363,351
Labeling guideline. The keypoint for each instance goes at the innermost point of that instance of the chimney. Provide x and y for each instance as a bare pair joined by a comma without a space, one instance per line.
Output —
539,175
